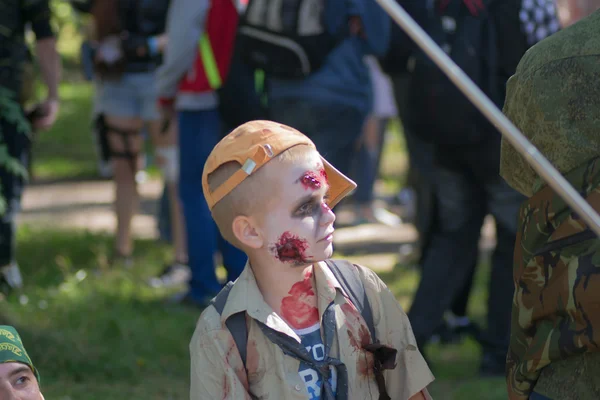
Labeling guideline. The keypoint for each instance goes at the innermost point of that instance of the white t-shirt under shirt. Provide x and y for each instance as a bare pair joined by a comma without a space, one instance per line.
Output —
311,340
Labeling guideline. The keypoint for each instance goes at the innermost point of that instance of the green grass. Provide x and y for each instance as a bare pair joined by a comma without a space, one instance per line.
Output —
99,335
95,332
67,150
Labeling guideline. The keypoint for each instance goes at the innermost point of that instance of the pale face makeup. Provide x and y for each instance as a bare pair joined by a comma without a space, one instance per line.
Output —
299,226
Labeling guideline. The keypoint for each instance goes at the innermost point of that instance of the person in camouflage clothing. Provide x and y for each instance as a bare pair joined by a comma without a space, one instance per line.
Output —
15,127
554,99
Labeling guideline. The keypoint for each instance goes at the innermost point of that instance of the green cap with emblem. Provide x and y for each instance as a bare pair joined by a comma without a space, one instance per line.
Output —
12,349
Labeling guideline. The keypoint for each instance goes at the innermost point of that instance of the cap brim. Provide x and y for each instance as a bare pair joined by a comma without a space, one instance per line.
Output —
340,185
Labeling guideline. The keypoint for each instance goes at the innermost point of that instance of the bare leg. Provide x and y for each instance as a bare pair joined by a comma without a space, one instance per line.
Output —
124,169
370,143
164,140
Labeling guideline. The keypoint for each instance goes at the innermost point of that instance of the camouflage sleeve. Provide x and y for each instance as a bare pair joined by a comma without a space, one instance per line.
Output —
38,14
514,168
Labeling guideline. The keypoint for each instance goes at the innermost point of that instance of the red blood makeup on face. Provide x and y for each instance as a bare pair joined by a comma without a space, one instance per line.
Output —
310,181
323,175
290,248
296,308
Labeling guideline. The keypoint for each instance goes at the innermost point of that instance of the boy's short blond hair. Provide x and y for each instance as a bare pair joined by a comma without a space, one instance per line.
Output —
254,194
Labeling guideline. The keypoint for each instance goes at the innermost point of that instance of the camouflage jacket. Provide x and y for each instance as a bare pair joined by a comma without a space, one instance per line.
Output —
554,99
556,306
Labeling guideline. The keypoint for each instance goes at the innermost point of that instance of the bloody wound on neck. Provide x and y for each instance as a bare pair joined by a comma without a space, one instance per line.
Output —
296,308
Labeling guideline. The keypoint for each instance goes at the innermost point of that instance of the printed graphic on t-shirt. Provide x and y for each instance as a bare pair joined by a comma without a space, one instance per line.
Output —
311,340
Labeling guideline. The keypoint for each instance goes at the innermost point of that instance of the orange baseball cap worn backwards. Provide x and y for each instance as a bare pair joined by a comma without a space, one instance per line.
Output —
254,144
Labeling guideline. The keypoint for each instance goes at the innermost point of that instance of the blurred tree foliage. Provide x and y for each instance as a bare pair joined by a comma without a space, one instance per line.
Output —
70,26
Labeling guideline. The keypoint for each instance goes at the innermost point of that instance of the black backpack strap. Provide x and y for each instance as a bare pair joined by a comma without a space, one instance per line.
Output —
235,323
347,275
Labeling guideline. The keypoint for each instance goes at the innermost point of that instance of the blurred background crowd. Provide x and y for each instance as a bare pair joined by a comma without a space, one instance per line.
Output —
150,86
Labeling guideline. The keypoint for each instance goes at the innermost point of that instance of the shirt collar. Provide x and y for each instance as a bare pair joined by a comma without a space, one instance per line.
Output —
246,297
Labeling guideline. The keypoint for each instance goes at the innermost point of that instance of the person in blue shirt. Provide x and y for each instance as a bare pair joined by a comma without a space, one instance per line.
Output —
331,104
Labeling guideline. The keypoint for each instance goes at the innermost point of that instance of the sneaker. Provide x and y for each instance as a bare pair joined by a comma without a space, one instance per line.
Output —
175,274
10,275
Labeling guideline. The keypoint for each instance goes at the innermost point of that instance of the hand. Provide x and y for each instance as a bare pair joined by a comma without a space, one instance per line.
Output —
135,45
48,114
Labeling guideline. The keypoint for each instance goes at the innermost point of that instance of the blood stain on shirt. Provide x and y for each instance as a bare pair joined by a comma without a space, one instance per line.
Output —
290,248
365,364
225,387
358,332
297,308
360,340
231,348
252,357
234,360
349,309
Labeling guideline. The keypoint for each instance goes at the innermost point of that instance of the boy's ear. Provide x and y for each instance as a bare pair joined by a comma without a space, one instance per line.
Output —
246,232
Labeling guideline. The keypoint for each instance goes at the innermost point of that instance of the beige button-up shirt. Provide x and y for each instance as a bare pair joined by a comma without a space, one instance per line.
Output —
218,372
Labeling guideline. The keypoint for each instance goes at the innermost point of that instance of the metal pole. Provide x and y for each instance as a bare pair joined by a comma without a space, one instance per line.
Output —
541,165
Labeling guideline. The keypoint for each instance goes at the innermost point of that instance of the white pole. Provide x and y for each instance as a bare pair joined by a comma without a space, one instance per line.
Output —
541,165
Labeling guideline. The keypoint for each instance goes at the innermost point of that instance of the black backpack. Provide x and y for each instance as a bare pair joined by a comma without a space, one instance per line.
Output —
287,39
440,113
347,275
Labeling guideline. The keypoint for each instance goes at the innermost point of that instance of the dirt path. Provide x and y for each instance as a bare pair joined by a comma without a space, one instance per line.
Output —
88,205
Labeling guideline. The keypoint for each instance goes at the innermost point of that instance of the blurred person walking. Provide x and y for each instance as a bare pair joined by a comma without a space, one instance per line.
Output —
553,99
486,39
128,44
369,149
201,40
15,125
318,81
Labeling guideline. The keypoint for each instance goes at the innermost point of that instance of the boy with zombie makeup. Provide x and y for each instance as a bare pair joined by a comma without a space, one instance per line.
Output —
304,332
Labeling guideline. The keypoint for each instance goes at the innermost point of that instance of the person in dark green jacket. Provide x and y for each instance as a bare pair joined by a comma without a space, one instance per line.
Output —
554,99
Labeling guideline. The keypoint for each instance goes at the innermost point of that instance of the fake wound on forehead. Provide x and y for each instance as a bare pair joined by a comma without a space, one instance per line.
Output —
313,180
